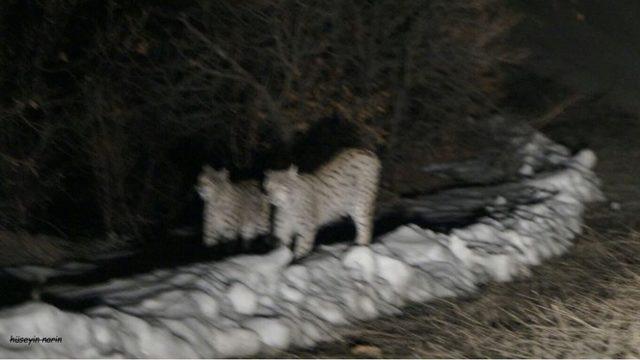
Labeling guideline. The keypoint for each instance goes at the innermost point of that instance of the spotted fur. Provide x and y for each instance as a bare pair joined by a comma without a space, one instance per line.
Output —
231,210
345,186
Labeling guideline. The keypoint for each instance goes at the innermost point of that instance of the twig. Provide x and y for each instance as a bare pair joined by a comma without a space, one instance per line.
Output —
556,111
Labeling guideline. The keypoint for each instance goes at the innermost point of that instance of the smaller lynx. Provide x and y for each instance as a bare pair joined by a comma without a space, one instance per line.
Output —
231,210
346,186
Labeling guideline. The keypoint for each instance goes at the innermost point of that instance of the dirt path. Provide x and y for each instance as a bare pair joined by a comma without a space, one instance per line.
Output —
581,304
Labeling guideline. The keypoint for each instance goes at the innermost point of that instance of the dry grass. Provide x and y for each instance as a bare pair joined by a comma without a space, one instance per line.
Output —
584,304
565,311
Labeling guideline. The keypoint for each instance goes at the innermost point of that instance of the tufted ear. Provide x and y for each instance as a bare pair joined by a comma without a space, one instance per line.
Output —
293,170
268,176
208,170
214,175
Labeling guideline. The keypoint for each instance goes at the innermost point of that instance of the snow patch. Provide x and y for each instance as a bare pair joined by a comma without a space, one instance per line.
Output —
272,332
252,304
243,299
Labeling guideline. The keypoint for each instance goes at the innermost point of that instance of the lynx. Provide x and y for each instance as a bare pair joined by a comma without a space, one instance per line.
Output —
231,210
345,186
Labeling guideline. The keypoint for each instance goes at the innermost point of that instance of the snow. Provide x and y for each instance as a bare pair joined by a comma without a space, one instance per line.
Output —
326,310
361,263
526,170
395,272
236,342
253,304
273,333
244,300
205,304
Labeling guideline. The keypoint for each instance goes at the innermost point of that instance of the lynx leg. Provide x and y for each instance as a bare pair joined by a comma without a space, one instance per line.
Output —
364,225
211,236
364,218
286,239
304,243
282,230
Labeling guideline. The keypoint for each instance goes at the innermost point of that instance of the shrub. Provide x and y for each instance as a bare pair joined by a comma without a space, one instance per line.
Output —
109,109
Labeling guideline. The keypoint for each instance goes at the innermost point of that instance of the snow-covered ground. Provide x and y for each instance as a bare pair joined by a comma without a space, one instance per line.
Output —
253,304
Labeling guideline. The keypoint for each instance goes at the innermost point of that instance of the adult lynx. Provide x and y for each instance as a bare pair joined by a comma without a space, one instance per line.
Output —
345,186
231,210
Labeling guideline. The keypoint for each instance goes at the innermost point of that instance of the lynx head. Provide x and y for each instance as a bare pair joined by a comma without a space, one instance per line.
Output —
280,184
211,182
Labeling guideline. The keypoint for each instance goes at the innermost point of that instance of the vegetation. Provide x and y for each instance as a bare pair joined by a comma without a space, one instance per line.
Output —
110,108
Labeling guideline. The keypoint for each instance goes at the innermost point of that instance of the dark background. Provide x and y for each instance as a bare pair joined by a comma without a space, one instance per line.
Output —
109,109
591,46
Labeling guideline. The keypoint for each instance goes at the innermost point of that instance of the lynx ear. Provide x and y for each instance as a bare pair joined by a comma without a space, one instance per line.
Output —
293,170
208,171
